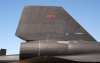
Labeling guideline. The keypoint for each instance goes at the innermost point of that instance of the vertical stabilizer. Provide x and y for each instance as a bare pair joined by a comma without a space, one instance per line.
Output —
50,23
2,52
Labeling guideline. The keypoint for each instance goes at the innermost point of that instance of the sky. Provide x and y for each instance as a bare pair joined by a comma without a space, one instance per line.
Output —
85,12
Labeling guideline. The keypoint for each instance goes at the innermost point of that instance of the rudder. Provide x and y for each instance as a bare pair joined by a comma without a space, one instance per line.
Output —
2,52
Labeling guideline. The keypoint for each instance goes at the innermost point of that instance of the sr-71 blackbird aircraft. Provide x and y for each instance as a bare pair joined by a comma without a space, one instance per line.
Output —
49,31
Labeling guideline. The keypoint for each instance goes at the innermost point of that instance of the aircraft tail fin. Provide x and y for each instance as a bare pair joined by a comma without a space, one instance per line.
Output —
2,52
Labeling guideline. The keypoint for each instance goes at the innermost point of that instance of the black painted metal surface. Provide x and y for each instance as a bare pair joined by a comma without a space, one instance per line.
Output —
2,52
40,48
95,57
51,31
49,22
9,58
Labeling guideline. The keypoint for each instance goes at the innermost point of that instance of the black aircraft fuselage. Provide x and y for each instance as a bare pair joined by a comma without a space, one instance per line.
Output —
51,31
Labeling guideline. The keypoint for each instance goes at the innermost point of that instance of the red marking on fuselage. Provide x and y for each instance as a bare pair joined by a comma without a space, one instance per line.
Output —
51,16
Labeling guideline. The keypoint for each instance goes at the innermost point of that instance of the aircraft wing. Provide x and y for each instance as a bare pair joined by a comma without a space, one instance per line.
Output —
9,58
82,57
62,59
67,58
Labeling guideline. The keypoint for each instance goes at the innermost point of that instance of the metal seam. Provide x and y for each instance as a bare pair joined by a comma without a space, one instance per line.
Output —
39,49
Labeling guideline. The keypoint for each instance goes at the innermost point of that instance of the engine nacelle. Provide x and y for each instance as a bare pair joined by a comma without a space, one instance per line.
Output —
33,49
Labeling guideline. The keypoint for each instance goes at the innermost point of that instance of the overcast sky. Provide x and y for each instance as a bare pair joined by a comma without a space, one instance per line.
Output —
85,12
